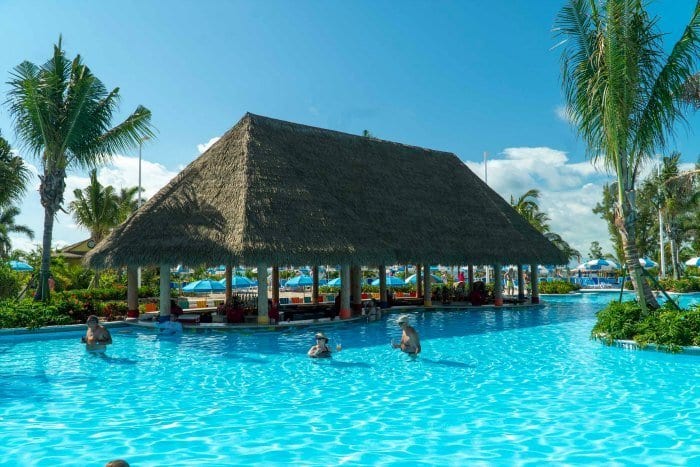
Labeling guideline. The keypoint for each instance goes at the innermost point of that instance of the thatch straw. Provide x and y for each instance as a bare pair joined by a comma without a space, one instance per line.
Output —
277,192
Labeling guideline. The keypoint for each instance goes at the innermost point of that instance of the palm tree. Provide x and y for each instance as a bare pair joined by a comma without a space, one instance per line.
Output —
128,202
62,113
623,94
528,207
13,173
8,226
97,209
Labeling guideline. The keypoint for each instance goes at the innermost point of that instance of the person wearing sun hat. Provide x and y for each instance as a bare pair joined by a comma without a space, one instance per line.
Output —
321,349
410,342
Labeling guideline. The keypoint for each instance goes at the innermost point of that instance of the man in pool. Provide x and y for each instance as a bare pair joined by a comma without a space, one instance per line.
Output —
97,337
410,342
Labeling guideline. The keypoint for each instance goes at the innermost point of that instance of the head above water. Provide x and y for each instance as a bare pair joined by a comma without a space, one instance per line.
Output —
320,335
403,319
92,319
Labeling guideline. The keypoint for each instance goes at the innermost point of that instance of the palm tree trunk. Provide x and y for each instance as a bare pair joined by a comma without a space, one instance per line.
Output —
625,216
42,291
674,258
51,189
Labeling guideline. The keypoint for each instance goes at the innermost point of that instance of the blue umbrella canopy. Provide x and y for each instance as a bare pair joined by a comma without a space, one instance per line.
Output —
412,279
238,282
334,282
299,281
694,262
598,265
20,266
647,263
204,286
391,281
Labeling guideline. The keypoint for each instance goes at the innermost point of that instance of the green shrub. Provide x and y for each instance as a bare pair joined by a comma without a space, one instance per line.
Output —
683,285
666,326
30,314
558,287
10,283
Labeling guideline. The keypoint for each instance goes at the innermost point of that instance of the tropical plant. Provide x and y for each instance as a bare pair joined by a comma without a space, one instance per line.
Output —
623,94
97,209
62,113
527,206
128,202
13,173
8,226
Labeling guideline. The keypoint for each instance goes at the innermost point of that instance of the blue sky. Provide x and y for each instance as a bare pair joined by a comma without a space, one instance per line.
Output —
467,77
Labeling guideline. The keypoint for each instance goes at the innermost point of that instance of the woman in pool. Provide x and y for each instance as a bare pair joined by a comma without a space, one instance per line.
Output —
410,342
97,337
321,349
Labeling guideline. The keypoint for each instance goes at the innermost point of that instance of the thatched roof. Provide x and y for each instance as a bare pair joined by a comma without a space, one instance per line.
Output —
280,193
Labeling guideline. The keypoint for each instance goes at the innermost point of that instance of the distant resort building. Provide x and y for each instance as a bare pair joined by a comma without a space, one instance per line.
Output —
274,193
74,254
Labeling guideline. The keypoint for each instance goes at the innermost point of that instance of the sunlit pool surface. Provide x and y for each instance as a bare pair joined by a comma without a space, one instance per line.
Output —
491,387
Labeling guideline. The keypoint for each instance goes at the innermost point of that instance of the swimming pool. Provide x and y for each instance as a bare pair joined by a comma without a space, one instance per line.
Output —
491,387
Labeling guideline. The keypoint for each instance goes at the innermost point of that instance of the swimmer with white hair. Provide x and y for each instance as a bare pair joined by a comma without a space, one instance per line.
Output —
410,342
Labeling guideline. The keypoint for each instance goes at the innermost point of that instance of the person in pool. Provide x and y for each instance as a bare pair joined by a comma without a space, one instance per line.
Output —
321,349
410,342
97,337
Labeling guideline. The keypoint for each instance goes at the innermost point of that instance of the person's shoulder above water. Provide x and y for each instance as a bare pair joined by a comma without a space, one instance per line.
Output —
321,349
97,337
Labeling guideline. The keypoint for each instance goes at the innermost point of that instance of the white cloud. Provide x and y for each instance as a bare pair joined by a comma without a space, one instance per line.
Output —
121,173
569,191
562,112
203,147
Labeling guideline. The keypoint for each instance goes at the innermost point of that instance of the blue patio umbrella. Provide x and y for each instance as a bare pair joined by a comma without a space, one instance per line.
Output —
598,265
647,263
204,286
238,282
412,279
693,262
20,266
300,281
391,281
334,282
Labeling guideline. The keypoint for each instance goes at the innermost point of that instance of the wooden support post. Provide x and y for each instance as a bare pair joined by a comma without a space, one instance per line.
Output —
263,317
229,287
165,290
521,283
275,284
382,286
345,312
427,289
314,287
534,283
498,285
132,293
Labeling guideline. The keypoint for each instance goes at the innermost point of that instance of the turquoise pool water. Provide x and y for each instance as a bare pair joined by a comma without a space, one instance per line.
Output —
492,387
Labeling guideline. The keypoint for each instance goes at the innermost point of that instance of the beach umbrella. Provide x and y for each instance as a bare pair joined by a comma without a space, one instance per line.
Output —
412,279
598,265
391,281
204,286
647,263
238,282
334,282
694,262
300,281
20,266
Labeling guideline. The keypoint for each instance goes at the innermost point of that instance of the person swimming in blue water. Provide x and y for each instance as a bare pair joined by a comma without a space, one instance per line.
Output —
321,349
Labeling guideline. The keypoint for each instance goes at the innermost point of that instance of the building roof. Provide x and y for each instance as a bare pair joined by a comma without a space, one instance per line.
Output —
279,193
